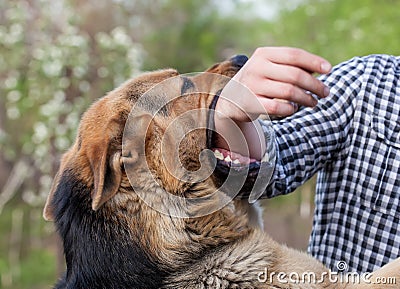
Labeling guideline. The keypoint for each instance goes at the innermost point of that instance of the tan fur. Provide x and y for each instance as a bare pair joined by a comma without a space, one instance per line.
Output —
225,249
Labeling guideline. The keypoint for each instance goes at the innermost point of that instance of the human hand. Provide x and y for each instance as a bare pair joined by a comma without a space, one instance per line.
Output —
275,80
280,78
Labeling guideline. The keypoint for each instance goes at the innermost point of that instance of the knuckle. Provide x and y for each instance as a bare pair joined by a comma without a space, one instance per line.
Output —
259,51
316,63
248,81
262,52
289,91
297,76
319,87
273,108
295,54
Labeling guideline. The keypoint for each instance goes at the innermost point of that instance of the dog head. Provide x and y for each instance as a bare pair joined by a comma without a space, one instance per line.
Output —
116,149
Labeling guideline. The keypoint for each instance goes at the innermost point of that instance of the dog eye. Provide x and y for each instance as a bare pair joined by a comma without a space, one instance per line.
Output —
127,154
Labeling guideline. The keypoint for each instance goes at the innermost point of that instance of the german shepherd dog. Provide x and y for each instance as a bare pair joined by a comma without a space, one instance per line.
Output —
104,196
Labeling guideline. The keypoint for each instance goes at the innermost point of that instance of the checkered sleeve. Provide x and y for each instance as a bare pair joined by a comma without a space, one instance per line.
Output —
312,137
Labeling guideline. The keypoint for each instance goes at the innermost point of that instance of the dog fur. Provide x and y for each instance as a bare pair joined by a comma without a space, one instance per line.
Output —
113,239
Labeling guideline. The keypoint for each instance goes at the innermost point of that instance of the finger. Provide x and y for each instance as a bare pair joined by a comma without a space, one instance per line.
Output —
295,57
275,107
296,76
285,91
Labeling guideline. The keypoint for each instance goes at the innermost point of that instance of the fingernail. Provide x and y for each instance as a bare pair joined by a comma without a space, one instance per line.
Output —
326,67
327,91
295,106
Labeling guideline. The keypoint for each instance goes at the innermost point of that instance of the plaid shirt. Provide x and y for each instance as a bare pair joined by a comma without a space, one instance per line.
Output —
352,139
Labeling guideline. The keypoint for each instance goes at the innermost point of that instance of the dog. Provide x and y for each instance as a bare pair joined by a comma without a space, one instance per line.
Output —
120,203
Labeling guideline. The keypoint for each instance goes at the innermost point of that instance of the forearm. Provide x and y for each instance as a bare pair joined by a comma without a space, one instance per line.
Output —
314,137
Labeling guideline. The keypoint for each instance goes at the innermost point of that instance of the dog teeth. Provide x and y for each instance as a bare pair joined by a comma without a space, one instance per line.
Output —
218,155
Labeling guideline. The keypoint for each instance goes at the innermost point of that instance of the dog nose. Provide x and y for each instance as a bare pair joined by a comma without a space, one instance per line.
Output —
239,60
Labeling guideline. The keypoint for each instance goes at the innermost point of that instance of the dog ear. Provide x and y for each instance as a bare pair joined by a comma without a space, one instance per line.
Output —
48,211
107,174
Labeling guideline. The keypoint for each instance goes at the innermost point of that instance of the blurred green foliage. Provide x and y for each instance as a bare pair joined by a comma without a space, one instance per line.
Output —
56,57
341,29
192,35
51,70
